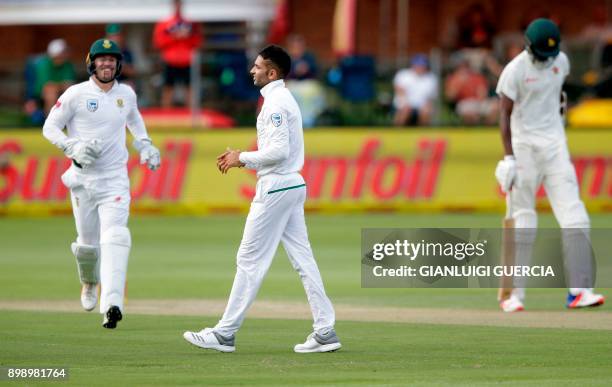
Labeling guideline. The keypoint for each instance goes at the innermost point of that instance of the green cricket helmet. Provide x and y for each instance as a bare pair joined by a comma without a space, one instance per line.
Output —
103,47
542,38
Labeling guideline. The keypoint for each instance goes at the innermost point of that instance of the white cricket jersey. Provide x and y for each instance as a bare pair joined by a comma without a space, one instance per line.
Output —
536,94
88,112
280,138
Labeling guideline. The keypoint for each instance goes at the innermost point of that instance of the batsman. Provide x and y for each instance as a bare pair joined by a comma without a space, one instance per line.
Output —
536,152
95,114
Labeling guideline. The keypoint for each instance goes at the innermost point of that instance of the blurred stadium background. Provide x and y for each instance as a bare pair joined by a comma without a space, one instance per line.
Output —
362,170
357,158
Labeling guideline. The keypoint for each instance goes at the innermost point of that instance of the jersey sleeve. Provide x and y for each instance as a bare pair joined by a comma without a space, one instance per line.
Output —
565,64
135,123
61,113
508,84
277,148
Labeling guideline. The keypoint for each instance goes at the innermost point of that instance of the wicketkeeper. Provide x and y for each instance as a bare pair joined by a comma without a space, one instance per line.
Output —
530,89
95,114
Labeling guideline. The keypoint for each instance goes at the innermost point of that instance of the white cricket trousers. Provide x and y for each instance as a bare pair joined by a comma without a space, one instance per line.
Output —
99,204
551,166
276,214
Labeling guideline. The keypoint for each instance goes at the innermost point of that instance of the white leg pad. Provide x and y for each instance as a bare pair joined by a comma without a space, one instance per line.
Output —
526,224
578,258
88,264
115,244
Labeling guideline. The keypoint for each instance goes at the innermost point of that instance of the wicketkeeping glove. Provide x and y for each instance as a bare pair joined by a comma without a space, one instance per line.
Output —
84,153
506,173
148,153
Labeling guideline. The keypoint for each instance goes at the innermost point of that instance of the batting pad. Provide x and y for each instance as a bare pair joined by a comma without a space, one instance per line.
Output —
87,262
115,246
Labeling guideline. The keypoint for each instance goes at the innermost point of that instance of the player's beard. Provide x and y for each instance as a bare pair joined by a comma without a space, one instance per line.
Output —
256,81
106,74
261,81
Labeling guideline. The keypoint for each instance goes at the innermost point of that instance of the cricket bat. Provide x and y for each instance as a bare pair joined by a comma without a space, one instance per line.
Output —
508,251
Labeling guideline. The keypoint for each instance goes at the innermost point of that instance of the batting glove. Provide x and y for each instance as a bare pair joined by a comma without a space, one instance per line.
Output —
505,173
84,153
149,154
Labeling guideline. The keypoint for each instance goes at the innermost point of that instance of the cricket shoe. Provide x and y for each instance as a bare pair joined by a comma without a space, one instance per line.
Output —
112,317
584,299
512,304
207,338
89,296
319,342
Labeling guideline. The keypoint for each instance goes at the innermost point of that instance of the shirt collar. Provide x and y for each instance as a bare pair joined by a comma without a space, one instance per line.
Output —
97,88
267,89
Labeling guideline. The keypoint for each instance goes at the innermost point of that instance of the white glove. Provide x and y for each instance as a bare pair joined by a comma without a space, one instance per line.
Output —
84,153
505,173
148,153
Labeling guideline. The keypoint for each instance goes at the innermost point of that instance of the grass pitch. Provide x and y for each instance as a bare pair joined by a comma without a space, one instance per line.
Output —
149,350
194,258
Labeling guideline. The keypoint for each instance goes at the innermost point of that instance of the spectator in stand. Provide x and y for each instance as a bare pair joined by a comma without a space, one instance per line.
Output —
47,77
475,28
415,89
468,92
303,63
177,39
302,81
475,34
128,72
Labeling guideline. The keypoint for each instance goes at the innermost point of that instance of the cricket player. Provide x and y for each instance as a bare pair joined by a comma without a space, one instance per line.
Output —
276,214
536,152
95,114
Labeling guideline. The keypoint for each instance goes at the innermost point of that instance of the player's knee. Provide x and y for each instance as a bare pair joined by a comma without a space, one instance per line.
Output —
88,237
84,252
87,262
117,235
576,235
575,217
525,218
526,223
248,248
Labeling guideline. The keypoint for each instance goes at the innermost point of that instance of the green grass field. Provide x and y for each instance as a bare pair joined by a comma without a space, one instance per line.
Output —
193,258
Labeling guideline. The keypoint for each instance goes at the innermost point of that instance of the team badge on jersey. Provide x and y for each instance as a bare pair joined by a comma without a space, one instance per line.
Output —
92,105
120,102
277,119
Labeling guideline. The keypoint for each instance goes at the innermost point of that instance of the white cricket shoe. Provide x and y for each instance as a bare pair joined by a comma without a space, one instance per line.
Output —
585,298
207,338
89,296
512,304
319,342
